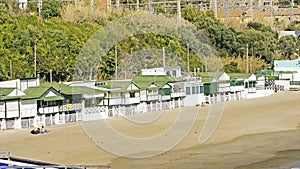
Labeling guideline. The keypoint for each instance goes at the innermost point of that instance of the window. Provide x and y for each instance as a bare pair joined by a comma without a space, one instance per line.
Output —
132,94
152,92
174,73
188,90
193,90
201,89
197,89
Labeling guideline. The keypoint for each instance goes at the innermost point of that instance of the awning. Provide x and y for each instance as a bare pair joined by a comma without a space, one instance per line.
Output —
53,98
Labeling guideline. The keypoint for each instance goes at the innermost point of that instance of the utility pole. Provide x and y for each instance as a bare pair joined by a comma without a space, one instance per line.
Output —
92,4
137,4
50,75
118,4
10,69
252,9
116,62
259,4
188,58
178,12
164,58
247,58
150,5
271,12
108,4
251,70
226,6
40,5
216,8
292,11
34,60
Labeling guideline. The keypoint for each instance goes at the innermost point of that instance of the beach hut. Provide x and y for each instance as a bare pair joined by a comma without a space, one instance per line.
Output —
48,102
16,109
121,97
194,93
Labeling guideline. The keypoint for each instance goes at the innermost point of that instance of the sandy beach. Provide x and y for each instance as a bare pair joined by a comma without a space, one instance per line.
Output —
252,133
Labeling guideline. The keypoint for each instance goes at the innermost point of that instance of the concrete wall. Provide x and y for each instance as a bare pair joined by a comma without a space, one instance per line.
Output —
194,99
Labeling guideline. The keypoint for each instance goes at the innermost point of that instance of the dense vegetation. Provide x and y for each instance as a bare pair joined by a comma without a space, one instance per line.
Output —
59,39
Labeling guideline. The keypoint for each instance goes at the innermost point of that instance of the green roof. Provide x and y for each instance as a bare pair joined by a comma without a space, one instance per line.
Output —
36,92
85,90
235,76
123,85
62,88
9,98
119,86
265,72
144,81
5,91
208,77
70,90
52,98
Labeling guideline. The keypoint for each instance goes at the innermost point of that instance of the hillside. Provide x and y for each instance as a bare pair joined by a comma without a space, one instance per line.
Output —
61,32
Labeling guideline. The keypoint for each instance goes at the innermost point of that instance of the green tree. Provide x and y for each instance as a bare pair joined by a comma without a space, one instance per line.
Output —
288,46
51,8
232,67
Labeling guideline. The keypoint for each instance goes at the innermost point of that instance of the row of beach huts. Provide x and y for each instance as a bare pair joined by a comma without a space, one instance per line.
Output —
29,103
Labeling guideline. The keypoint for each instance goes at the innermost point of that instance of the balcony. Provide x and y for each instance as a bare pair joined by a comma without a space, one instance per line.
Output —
112,101
178,94
130,100
48,110
166,97
224,89
237,88
71,107
149,97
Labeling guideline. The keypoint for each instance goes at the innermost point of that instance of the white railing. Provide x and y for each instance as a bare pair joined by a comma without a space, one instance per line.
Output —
166,97
131,100
251,90
177,94
152,97
71,107
28,112
237,88
51,109
223,89
166,105
113,101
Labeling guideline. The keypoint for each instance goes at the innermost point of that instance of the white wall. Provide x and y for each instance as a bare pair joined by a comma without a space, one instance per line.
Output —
284,83
25,83
154,71
12,108
2,110
28,108
194,99
10,83
224,77
94,113
16,92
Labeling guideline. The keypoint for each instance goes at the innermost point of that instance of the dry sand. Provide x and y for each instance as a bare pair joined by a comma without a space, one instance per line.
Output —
253,133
